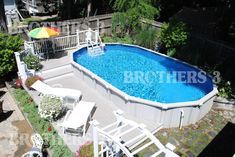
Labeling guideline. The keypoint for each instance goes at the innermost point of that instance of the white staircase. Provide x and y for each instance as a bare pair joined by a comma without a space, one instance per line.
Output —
125,137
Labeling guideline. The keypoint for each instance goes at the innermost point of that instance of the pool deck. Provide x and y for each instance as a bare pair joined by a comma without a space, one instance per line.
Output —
104,108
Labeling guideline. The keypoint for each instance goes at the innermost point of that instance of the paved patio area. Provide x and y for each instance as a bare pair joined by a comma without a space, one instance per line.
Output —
57,60
15,131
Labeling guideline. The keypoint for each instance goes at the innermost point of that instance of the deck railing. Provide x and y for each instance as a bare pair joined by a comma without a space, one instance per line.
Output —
58,44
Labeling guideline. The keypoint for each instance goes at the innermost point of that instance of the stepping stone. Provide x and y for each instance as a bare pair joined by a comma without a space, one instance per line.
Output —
212,134
173,141
190,154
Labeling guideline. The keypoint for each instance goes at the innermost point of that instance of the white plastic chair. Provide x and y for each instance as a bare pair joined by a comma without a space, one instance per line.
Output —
29,154
76,120
37,141
36,150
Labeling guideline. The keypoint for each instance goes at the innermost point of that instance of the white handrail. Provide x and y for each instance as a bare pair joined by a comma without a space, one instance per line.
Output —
114,143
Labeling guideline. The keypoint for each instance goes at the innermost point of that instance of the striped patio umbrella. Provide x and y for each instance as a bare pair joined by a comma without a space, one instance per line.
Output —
44,32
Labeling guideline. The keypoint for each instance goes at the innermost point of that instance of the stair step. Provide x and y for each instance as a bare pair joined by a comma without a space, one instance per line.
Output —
55,72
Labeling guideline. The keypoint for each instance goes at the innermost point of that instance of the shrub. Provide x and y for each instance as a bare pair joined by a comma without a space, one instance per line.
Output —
147,38
8,45
114,39
225,89
33,62
31,80
85,150
173,35
50,107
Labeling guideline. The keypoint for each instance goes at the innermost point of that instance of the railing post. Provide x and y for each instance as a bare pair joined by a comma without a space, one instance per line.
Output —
95,124
119,116
53,44
98,25
78,42
96,36
21,67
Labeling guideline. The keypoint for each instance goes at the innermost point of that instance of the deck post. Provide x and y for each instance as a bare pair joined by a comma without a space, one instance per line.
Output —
95,124
21,67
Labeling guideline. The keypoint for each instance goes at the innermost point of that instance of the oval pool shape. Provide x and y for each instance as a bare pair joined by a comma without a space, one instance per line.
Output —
144,74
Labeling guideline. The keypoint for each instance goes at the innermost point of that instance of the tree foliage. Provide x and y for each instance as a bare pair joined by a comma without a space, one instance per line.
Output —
147,37
173,35
130,13
8,45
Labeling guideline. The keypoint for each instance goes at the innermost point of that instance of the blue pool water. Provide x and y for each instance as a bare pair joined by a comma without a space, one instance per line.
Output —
146,75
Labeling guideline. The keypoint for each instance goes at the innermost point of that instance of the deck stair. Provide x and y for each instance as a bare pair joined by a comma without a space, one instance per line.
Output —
55,72
125,137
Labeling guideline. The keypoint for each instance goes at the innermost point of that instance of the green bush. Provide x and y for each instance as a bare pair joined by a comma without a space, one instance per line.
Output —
130,13
173,35
147,38
8,45
115,39
32,62
225,89
56,143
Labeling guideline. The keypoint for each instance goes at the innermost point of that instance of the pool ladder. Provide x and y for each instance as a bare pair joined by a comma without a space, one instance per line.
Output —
94,49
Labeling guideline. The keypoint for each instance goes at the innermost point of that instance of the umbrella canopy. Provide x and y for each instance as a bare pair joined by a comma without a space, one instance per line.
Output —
44,32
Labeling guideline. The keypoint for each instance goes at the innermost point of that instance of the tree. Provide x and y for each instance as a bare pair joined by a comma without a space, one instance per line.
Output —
130,13
173,35
3,25
8,45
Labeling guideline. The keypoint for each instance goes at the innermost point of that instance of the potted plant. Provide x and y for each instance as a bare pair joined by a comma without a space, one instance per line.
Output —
32,62
18,83
85,150
50,107
31,80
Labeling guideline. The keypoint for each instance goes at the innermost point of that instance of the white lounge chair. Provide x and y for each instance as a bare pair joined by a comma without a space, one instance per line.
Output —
76,120
64,93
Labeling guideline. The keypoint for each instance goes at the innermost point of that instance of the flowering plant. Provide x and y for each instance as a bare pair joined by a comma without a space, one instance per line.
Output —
50,107
18,83
85,150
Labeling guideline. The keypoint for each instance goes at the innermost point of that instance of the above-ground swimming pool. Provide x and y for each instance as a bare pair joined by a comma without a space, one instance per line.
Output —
142,74
139,81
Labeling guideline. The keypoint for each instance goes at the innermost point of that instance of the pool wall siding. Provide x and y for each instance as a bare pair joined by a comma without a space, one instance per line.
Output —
169,114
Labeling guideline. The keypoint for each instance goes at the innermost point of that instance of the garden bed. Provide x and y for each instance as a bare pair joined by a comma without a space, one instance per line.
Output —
56,144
